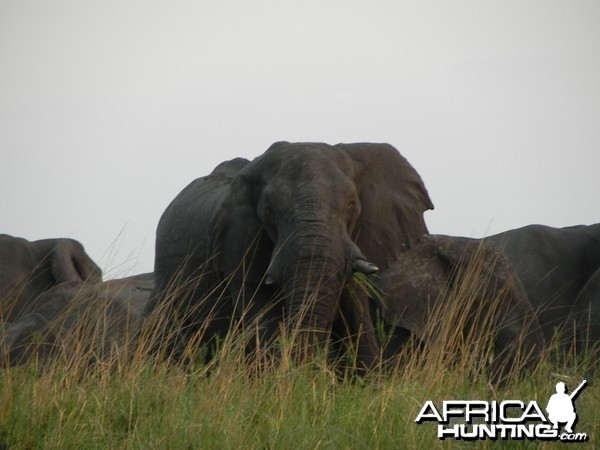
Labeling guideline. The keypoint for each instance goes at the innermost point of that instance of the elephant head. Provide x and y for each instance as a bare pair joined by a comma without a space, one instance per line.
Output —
318,212
456,294
29,268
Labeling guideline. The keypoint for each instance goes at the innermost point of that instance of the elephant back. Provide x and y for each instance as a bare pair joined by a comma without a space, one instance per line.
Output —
183,242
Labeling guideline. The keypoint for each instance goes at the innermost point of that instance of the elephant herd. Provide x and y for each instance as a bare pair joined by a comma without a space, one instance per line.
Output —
323,246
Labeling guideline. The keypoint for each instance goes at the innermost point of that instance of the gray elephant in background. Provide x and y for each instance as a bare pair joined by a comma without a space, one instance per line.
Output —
558,268
277,238
29,268
585,315
79,319
453,290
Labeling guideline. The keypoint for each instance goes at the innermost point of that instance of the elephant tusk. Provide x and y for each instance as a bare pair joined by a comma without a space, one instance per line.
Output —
362,266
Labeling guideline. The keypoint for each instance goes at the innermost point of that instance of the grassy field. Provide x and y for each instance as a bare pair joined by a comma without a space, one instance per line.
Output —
130,400
148,405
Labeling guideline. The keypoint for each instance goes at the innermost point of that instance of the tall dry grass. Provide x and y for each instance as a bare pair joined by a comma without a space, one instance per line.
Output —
116,387
478,323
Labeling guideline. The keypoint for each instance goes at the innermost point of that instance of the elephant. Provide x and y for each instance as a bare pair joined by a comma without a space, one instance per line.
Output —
29,268
554,265
275,240
455,292
585,315
77,319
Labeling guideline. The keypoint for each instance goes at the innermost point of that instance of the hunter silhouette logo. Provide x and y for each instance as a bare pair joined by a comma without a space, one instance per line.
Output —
560,406
509,419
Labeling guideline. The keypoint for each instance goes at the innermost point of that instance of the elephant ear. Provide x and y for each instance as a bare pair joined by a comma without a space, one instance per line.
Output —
393,199
70,262
466,256
243,246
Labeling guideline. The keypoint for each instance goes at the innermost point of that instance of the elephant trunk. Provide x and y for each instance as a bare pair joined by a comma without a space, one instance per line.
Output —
311,289
311,284
311,304
311,267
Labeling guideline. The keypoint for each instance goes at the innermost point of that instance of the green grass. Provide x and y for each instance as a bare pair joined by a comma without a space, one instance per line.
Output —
131,401
149,405
144,404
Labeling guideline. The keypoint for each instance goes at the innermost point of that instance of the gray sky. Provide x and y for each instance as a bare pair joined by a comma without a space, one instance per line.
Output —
108,109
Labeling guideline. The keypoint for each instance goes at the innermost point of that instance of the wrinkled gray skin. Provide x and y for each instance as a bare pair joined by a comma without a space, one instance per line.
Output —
100,317
290,225
555,265
424,281
585,314
29,268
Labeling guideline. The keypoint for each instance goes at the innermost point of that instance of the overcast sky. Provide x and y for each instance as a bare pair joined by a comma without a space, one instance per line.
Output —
108,109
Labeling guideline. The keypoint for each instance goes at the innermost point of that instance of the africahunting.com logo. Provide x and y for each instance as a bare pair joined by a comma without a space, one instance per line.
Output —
509,419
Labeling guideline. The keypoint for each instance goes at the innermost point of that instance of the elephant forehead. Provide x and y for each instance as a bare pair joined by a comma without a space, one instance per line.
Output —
306,186
304,158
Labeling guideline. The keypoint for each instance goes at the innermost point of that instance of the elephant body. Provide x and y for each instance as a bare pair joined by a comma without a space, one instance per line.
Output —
549,279
554,266
99,317
452,291
29,268
585,314
276,238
